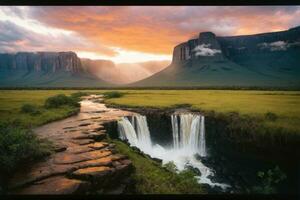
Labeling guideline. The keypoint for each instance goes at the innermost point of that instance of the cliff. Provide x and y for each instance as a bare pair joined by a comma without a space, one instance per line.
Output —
48,62
45,69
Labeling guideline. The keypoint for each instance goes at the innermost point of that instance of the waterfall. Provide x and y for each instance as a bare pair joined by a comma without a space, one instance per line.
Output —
188,131
136,131
127,131
175,133
202,138
191,135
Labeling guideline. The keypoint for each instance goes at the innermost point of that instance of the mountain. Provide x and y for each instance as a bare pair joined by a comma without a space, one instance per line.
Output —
45,69
267,59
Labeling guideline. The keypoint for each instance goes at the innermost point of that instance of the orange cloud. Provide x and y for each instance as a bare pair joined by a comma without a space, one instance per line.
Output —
157,29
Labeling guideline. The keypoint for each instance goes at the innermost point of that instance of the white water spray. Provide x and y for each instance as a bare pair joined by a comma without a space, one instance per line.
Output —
188,133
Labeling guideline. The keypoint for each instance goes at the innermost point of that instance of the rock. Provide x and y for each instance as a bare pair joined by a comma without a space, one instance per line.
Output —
60,147
105,161
83,141
118,157
91,173
84,124
98,145
80,149
37,173
93,135
56,185
75,158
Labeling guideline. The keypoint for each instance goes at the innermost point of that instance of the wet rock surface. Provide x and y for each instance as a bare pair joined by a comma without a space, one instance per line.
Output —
82,162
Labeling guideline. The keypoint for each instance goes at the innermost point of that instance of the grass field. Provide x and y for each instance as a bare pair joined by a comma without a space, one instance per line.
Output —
284,104
11,102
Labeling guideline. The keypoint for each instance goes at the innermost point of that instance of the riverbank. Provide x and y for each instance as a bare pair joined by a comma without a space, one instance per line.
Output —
82,162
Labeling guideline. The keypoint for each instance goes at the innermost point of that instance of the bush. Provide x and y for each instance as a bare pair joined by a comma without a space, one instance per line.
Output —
269,180
271,116
113,94
30,109
19,145
60,100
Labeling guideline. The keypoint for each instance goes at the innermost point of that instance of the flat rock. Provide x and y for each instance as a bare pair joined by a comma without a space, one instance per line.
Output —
93,135
105,161
56,185
98,145
83,141
37,173
84,124
69,158
80,149
75,158
92,173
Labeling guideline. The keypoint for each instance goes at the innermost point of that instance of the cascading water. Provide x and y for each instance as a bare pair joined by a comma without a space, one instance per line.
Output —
191,135
188,132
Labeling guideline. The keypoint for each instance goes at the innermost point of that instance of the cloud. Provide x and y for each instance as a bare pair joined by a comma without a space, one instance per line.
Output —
18,33
204,50
157,29
148,29
278,45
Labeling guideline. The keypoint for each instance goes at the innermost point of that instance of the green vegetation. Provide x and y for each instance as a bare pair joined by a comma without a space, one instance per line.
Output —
26,107
18,145
269,180
30,108
285,105
151,178
61,100
113,94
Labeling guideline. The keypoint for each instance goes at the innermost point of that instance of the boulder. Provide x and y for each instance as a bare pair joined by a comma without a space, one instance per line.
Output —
92,173
56,185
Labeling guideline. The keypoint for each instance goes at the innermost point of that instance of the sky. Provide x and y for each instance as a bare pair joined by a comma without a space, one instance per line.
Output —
131,34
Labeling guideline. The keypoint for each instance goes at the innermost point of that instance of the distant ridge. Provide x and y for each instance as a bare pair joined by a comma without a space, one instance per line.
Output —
45,69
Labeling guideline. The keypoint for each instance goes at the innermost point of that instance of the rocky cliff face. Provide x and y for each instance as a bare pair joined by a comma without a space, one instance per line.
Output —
236,48
45,69
47,62
205,47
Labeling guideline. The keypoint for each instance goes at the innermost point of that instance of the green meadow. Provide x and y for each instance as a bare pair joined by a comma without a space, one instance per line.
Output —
285,105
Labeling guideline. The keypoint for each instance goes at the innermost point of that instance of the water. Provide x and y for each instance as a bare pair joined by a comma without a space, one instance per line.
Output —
188,131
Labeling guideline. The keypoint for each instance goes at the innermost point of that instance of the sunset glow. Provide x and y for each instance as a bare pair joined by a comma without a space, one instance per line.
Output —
131,34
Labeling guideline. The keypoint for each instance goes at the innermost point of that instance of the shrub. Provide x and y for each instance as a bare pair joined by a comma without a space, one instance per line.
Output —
269,180
18,145
170,166
113,94
271,116
60,100
30,108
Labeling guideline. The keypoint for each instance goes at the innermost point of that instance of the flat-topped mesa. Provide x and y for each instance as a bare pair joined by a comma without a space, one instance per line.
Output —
49,62
206,47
